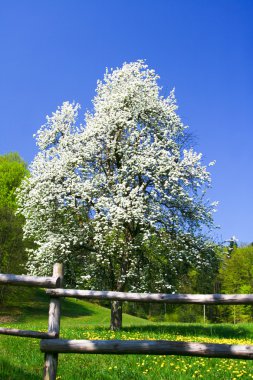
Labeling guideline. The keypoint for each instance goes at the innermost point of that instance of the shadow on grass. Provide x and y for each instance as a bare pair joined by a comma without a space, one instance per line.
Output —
10,372
75,309
68,309
35,307
219,331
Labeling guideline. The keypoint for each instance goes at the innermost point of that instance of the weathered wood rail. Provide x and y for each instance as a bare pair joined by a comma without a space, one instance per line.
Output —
23,280
154,347
228,299
51,345
27,333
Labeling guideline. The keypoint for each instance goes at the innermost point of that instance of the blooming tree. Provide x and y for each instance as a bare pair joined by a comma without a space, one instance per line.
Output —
121,194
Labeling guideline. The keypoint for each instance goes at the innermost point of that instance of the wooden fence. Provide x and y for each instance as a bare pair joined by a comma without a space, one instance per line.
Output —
52,345
51,359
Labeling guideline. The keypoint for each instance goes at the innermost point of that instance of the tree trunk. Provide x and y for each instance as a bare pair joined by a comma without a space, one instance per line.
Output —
116,315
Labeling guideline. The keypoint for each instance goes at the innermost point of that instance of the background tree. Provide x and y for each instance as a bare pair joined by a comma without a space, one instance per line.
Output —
120,195
236,276
12,251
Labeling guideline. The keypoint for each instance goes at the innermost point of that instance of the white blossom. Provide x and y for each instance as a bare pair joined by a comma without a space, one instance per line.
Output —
105,189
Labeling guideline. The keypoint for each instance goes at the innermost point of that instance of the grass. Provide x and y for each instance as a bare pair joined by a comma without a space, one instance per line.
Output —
20,358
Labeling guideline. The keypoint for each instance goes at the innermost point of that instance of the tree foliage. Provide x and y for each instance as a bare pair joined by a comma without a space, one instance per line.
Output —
12,171
237,271
236,277
120,199
12,250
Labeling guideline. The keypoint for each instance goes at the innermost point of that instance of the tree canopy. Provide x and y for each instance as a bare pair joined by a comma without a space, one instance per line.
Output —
12,171
120,195
12,251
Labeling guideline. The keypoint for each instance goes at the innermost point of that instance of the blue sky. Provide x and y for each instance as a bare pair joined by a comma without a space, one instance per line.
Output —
52,51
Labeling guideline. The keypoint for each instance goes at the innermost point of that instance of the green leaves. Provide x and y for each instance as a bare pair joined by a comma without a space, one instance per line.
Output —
12,171
12,252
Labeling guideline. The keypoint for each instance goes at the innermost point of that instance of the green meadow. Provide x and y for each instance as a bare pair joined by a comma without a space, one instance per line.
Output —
20,358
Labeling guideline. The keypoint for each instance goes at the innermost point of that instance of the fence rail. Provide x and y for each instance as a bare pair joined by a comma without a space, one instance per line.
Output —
27,333
156,347
229,299
34,281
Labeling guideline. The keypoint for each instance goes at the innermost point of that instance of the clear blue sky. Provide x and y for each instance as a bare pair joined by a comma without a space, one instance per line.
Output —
55,50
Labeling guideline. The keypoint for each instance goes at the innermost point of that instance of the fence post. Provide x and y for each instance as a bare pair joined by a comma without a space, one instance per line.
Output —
51,360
